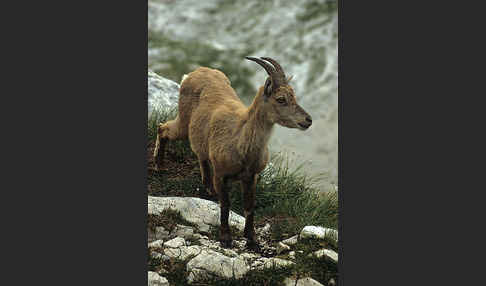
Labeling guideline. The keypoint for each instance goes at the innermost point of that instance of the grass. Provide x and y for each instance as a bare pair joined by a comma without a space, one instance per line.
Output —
286,198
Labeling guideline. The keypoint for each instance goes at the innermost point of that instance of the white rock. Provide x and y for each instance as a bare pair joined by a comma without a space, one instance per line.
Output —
162,92
229,252
292,240
176,242
155,279
249,257
156,255
318,232
276,262
161,233
281,247
212,263
292,254
156,244
201,212
186,232
183,252
307,281
328,253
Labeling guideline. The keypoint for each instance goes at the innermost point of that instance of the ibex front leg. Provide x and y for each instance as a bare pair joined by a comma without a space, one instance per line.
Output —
248,190
220,185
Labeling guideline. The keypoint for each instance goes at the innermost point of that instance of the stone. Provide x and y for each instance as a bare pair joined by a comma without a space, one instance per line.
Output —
212,263
318,232
292,254
291,241
154,279
277,262
203,213
162,92
176,242
183,252
186,232
328,253
281,247
307,281
249,257
161,233
156,244
156,255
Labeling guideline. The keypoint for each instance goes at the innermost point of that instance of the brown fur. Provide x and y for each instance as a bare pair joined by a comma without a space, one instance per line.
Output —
228,136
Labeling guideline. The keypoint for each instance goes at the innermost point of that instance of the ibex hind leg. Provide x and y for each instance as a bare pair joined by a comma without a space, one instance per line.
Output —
165,132
206,178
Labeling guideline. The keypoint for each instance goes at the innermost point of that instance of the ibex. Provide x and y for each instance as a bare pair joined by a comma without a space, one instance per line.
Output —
230,137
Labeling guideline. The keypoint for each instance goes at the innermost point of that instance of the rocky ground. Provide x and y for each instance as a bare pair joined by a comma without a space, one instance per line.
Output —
193,244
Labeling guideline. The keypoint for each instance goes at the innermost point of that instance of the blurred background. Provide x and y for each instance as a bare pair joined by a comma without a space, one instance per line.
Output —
301,35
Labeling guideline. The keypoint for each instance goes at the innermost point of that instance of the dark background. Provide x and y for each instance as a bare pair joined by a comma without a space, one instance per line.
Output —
74,108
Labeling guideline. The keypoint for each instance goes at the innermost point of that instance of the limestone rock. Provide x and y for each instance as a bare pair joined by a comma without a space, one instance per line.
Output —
282,247
186,232
276,262
211,263
162,92
318,232
183,252
176,242
156,244
161,233
307,281
201,212
328,253
291,241
155,279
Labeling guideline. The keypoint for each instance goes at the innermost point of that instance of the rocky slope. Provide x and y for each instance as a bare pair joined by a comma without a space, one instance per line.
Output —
196,245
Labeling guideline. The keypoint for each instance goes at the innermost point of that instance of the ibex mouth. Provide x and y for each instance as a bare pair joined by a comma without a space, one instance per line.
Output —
304,125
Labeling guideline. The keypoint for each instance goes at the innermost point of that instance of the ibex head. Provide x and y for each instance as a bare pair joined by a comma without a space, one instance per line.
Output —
280,104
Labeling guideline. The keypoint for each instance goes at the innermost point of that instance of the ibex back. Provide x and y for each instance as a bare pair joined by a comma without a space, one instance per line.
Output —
230,137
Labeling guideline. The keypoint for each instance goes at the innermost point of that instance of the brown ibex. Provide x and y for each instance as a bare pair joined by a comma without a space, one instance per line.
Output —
229,136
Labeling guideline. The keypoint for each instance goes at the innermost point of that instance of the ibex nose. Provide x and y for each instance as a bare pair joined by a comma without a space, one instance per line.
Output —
308,119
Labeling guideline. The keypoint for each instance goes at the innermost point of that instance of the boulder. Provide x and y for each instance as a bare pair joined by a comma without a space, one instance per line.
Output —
154,279
202,213
291,241
328,253
320,232
183,252
282,247
176,242
162,92
307,281
210,263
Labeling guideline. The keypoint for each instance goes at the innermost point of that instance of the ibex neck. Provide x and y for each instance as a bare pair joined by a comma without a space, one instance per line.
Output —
256,129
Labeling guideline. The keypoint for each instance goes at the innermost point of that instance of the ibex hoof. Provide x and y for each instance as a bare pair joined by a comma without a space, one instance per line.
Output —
253,245
226,243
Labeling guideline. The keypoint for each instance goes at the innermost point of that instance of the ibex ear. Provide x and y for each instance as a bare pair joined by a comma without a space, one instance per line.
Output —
267,91
289,78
